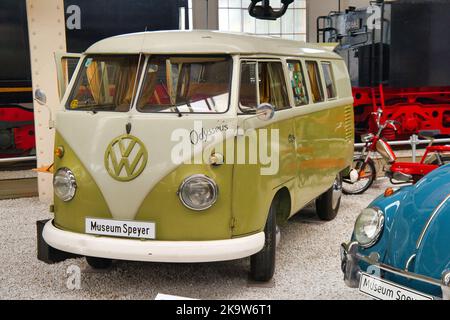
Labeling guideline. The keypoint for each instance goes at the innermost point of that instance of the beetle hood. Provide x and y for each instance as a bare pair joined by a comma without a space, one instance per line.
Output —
421,226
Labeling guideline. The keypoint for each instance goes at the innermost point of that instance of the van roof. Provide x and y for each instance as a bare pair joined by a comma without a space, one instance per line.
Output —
206,42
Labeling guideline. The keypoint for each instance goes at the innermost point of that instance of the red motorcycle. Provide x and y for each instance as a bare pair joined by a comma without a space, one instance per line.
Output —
364,173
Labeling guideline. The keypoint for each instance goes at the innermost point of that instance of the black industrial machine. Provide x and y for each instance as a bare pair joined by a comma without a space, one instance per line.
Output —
397,54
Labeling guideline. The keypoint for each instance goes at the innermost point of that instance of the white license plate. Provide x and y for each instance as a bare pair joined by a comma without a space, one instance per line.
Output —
385,290
118,228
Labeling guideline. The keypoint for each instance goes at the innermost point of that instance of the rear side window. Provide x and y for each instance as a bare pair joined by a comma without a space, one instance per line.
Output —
329,80
315,81
298,83
262,82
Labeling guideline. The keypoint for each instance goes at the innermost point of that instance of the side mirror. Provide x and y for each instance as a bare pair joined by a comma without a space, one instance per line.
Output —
265,112
40,97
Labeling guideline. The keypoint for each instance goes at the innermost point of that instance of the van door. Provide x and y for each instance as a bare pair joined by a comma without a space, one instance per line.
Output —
310,129
254,184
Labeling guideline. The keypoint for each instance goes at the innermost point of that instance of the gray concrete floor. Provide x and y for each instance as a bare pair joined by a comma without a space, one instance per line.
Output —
308,264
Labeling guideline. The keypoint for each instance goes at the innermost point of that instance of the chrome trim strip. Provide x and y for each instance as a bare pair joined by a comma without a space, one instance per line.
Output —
388,268
424,230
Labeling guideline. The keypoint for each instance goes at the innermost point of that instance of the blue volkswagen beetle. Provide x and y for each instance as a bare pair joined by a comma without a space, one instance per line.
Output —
400,247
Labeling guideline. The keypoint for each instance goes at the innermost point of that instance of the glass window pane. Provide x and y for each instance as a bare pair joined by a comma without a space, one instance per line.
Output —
329,80
298,83
223,19
248,23
248,100
105,83
234,3
262,26
315,81
246,3
235,20
223,3
272,85
287,22
299,21
186,84
275,27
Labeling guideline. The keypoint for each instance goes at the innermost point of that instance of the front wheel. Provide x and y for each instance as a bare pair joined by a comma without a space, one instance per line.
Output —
262,264
327,205
366,176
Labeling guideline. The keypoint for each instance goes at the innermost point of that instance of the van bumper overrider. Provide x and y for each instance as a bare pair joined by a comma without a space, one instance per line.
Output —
152,250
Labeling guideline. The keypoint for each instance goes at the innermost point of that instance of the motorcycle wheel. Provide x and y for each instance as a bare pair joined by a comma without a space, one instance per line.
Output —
365,180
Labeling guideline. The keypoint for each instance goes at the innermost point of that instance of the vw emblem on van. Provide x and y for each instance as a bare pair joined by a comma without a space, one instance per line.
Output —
125,158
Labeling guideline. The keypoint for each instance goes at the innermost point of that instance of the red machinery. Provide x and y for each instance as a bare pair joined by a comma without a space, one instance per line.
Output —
415,109
16,131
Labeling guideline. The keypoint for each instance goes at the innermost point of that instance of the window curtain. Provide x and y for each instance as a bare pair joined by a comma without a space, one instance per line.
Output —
125,84
315,81
94,79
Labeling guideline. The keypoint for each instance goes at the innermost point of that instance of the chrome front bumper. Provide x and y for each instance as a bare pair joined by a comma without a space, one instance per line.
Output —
350,258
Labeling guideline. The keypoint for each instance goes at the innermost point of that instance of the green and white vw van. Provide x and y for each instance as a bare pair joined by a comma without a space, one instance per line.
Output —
193,146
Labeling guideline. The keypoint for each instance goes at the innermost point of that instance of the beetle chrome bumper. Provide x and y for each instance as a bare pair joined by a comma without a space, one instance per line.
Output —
350,258
151,250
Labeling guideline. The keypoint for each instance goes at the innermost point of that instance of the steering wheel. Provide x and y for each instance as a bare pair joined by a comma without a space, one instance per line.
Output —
265,11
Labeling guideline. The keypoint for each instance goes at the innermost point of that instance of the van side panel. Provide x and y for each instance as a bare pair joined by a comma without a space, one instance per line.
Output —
324,148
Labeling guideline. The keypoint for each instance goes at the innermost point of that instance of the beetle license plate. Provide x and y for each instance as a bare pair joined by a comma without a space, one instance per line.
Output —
385,290
118,228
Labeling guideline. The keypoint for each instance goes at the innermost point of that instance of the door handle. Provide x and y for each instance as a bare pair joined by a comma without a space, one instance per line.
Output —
291,138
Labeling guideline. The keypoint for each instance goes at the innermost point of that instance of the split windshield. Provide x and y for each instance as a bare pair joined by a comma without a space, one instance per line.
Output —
105,83
186,85
190,84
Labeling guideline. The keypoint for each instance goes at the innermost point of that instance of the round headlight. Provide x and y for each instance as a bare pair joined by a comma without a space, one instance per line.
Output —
64,184
368,227
198,192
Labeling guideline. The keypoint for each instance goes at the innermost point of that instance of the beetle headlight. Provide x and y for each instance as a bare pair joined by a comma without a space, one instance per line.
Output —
64,184
368,227
198,192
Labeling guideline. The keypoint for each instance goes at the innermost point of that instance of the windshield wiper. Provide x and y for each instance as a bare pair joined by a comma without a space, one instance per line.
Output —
178,111
167,94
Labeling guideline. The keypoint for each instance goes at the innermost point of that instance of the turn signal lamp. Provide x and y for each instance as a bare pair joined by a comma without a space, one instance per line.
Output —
389,192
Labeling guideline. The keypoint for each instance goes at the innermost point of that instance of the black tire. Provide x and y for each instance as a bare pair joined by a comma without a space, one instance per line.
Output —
362,184
99,263
327,205
262,264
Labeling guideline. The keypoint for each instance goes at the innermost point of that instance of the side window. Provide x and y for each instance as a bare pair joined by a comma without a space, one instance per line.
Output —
329,80
298,83
248,94
272,85
315,81
262,82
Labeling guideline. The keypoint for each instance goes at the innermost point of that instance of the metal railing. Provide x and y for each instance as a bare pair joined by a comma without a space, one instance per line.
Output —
414,141
17,159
